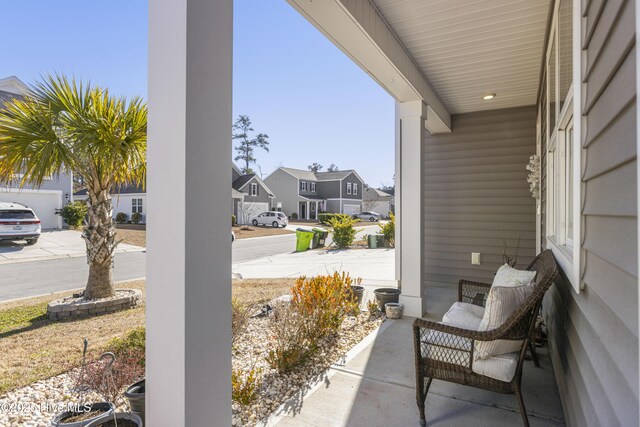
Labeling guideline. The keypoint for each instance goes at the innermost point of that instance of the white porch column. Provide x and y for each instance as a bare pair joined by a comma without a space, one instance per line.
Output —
410,128
189,246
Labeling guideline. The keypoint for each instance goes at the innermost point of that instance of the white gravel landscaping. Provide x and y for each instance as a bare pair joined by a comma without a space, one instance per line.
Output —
276,388
35,405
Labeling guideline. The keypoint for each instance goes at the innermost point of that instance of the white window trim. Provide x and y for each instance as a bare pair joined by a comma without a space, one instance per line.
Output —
348,188
569,258
303,186
355,188
254,189
313,187
136,205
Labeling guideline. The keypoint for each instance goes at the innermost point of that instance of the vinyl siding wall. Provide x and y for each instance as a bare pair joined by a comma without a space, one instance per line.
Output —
476,195
593,335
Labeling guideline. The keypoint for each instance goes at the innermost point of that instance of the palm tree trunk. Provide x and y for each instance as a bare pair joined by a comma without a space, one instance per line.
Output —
100,238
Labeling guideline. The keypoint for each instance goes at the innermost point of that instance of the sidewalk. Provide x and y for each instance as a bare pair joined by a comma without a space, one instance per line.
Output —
52,245
372,265
375,386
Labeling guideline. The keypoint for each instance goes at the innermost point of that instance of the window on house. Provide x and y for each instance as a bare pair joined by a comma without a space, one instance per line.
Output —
313,187
560,130
136,205
355,188
254,189
303,186
348,188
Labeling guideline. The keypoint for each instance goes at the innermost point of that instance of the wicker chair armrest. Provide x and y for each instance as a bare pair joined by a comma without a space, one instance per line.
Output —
438,344
473,292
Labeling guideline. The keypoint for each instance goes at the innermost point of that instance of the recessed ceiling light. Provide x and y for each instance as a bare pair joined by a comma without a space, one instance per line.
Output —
489,96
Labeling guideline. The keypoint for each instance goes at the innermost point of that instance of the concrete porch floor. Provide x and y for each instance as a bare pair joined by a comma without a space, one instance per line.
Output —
376,387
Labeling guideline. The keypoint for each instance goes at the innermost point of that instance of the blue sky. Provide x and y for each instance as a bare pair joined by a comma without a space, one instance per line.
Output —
315,104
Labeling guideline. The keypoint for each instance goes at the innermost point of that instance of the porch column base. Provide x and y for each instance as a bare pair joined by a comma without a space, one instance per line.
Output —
414,306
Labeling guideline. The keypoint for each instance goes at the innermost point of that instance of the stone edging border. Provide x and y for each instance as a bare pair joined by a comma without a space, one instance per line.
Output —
73,308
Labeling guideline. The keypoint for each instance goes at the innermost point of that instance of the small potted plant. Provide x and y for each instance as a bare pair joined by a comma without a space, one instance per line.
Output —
107,376
385,295
83,414
135,395
118,420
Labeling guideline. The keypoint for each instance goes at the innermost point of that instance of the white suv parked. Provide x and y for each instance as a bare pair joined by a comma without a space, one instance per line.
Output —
18,222
273,218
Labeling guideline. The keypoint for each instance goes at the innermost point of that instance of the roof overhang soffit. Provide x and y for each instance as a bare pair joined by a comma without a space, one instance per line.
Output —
356,28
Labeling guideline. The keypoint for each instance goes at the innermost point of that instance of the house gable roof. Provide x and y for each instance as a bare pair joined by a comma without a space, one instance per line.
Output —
336,175
300,174
13,85
307,175
243,180
375,194
125,189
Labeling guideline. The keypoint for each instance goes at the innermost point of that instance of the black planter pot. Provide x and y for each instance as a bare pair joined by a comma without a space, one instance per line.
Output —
119,417
135,396
385,295
58,420
358,291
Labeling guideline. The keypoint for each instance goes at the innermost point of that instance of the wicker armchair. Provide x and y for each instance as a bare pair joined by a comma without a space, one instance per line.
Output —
445,352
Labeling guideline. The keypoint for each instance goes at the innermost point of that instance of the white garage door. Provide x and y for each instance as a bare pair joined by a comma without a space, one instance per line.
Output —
247,210
351,209
43,203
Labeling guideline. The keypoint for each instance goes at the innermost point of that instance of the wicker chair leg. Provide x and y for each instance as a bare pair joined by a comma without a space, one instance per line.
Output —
532,349
423,389
523,410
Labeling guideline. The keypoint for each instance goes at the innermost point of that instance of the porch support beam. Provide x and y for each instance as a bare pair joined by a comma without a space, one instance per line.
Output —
188,370
358,29
410,129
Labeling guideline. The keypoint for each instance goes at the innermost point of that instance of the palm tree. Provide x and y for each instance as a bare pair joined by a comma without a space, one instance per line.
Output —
63,125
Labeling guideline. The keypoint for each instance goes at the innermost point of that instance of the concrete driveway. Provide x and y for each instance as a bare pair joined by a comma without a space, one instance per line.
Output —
51,245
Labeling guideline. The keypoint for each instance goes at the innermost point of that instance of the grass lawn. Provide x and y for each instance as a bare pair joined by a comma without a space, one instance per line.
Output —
258,231
132,237
34,348
139,237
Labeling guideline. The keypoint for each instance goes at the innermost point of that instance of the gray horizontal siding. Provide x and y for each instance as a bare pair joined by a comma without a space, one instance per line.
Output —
593,335
476,195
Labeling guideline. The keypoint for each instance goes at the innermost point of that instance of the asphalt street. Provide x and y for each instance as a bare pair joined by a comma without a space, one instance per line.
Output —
38,277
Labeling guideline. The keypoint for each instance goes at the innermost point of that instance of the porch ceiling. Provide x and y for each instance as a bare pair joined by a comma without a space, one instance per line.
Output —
468,48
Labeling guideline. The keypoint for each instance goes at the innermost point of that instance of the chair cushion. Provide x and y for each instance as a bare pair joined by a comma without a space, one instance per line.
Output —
464,315
502,302
501,367
509,276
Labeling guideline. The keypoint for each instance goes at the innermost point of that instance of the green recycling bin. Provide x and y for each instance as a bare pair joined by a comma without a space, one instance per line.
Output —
322,235
304,238
375,241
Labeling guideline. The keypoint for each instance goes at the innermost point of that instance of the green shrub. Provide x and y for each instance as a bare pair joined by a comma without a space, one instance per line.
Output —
326,217
292,339
389,230
326,299
343,231
234,220
244,388
294,215
136,217
121,218
240,314
134,340
73,213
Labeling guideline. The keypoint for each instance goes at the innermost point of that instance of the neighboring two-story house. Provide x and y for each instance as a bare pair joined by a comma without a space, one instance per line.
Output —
307,193
250,195
379,201
54,192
